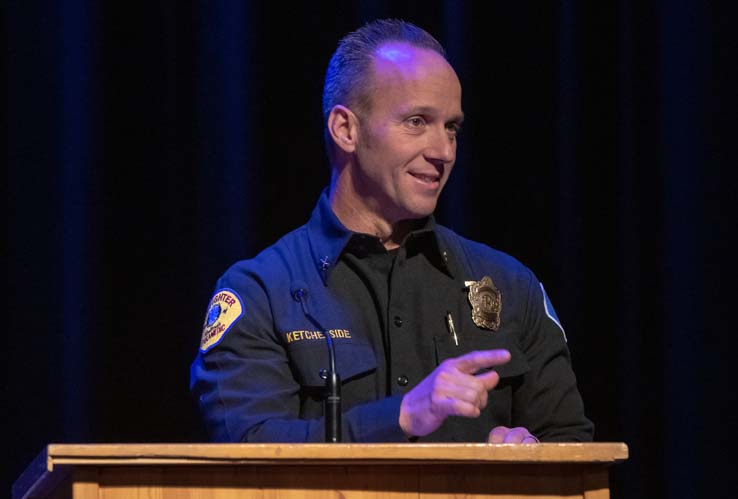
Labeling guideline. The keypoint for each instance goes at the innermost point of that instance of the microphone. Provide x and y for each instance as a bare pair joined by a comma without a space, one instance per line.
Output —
332,400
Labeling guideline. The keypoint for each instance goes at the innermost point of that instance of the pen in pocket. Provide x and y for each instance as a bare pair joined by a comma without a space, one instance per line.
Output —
451,328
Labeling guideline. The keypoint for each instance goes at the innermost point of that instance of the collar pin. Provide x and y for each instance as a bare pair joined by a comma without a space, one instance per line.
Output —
324,263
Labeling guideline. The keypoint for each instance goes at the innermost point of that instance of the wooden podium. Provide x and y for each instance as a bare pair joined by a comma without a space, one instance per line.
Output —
224,471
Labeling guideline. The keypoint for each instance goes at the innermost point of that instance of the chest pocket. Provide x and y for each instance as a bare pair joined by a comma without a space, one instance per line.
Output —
485,340
353,359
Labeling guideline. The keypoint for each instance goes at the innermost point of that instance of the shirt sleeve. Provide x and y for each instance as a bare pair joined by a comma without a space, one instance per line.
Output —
548,402
245,387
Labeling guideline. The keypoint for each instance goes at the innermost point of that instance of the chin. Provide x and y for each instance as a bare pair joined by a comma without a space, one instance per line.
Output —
421,209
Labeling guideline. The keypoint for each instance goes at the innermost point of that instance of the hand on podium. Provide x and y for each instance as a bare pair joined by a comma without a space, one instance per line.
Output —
505,435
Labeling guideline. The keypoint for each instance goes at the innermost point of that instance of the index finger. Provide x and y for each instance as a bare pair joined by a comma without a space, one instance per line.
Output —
474,361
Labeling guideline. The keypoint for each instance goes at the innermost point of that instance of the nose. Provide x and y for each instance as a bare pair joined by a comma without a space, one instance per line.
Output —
441,147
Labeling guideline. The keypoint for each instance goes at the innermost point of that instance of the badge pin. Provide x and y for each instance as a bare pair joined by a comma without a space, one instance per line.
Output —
486,302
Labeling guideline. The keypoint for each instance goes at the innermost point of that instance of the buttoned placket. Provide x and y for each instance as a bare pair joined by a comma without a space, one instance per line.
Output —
399,320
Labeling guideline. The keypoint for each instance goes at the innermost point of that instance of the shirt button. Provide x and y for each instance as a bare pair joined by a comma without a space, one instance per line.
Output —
402,380
398,321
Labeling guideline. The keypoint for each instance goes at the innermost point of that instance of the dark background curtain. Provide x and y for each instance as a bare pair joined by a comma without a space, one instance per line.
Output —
151,145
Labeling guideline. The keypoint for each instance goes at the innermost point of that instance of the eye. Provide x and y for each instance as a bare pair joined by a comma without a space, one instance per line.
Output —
416,121
453,129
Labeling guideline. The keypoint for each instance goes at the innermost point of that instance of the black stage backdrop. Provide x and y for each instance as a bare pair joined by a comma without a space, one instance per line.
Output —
151,145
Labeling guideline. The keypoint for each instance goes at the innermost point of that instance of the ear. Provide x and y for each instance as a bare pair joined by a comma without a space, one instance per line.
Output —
343,127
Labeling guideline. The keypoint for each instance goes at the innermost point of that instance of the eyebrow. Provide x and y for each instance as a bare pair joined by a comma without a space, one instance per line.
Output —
430,110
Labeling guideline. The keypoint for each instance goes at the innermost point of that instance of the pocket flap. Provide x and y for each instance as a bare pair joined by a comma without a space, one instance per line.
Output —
352,359
518,364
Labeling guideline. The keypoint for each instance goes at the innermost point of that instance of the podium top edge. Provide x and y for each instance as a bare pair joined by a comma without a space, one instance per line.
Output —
204,453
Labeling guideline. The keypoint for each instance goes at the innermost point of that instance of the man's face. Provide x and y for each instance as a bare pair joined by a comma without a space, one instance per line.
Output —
406,141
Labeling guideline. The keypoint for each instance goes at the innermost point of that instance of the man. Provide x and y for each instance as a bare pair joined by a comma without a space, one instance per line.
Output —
437,338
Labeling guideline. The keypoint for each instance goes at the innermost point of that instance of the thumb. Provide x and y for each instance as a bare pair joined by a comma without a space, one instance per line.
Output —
489,379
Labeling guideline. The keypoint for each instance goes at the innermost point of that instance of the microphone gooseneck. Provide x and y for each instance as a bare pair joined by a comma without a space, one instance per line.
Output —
332,400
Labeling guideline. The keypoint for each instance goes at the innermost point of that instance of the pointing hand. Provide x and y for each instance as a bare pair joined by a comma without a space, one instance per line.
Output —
452,389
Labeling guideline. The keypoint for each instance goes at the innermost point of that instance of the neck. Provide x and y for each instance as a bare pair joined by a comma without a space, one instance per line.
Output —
363,214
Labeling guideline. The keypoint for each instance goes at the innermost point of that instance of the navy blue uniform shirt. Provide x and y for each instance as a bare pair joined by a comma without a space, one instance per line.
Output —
257,374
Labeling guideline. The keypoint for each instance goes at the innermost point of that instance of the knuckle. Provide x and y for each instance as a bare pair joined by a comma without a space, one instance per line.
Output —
445,365
483,400
479,385
437,398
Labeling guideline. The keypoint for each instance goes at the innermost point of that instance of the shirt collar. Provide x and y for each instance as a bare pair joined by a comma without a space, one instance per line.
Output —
425,239
328,238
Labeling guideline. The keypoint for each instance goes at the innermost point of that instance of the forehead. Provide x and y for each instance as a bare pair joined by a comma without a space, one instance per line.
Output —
403,71
400,60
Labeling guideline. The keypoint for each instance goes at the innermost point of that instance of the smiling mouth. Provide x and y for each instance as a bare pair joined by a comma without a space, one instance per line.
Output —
426,179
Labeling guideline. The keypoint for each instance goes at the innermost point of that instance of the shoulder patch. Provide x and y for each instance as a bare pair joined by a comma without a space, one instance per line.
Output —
550,312
226,307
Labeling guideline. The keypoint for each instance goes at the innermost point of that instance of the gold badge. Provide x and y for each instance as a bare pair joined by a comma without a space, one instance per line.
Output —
486,302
